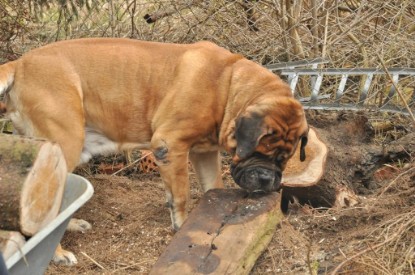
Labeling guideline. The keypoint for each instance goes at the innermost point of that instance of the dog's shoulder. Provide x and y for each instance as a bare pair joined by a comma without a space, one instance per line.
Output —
211,53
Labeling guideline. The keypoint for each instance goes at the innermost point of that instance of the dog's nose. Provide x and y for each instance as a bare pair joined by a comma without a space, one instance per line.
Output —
260,177
257,178
265,176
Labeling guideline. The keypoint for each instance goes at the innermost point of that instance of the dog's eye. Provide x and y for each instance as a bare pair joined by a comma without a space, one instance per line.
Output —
280,158
271,132
272,138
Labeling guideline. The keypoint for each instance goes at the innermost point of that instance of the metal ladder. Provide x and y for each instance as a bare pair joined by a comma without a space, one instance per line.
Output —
333,101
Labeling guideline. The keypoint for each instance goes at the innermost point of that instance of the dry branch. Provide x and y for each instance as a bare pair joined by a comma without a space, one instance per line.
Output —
315,28
152,18
250,14
293,11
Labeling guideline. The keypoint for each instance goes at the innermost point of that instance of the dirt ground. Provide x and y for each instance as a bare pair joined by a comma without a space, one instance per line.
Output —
131,225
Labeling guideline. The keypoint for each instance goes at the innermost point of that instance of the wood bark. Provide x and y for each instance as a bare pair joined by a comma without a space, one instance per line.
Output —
224,234
10,242
32,179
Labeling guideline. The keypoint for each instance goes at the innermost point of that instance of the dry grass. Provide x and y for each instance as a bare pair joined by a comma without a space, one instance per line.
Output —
347,36
375,237
390,247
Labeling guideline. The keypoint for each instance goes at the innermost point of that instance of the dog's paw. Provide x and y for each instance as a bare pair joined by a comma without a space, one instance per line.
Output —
64,257
78,225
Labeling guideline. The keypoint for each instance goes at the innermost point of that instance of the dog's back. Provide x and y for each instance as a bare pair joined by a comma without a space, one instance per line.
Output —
113,92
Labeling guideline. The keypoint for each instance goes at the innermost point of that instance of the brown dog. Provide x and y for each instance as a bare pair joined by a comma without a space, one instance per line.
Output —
181,101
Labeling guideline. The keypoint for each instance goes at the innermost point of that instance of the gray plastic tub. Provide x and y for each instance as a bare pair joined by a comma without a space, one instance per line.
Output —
39,249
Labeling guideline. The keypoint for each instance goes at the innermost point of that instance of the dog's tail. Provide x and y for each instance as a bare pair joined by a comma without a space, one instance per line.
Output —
6,81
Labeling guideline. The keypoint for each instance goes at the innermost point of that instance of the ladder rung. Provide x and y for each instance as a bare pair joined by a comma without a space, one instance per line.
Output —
395,79
316,88
293,82
365,89
342,84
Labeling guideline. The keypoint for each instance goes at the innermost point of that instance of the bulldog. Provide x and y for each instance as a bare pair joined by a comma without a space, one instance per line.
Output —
181,101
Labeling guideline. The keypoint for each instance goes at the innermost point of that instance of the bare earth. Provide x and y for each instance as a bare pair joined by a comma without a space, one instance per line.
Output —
131,225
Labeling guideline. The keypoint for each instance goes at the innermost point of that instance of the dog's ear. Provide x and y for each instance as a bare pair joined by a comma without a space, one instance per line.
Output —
304,140
248,131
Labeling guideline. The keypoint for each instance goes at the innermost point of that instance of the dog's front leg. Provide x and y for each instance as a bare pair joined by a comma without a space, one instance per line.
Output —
172,159
208,169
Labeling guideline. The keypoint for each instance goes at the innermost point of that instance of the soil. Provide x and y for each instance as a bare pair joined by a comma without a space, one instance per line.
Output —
131,225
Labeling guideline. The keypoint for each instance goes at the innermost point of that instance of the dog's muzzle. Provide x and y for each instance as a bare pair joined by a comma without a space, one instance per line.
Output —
257,174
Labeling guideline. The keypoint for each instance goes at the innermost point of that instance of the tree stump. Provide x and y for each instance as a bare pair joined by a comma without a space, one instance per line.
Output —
224,234
32,179
301,180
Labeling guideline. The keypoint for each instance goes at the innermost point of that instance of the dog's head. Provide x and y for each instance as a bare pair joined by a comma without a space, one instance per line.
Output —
267,135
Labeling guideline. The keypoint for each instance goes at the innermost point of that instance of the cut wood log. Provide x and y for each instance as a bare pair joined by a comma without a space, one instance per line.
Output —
301,180
32,179
224,234
10,242
308,172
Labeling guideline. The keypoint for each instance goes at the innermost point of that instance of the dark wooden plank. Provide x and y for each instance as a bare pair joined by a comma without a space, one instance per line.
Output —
224,234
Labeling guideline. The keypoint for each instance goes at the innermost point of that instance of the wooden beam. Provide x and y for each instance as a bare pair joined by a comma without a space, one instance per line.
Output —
224,234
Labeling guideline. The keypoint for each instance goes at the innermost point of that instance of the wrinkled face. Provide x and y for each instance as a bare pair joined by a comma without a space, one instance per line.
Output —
265,142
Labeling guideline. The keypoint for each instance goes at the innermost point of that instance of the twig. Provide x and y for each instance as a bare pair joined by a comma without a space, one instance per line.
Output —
92,260
152,18
326,24
351,27
397,233
294,11
130,266
396,87
336,270
133,27
341,252
393,182
310,268
314,28
134,162
272,257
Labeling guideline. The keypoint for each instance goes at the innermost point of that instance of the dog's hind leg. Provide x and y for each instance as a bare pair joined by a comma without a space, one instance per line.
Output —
69,134
57,116
208,169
